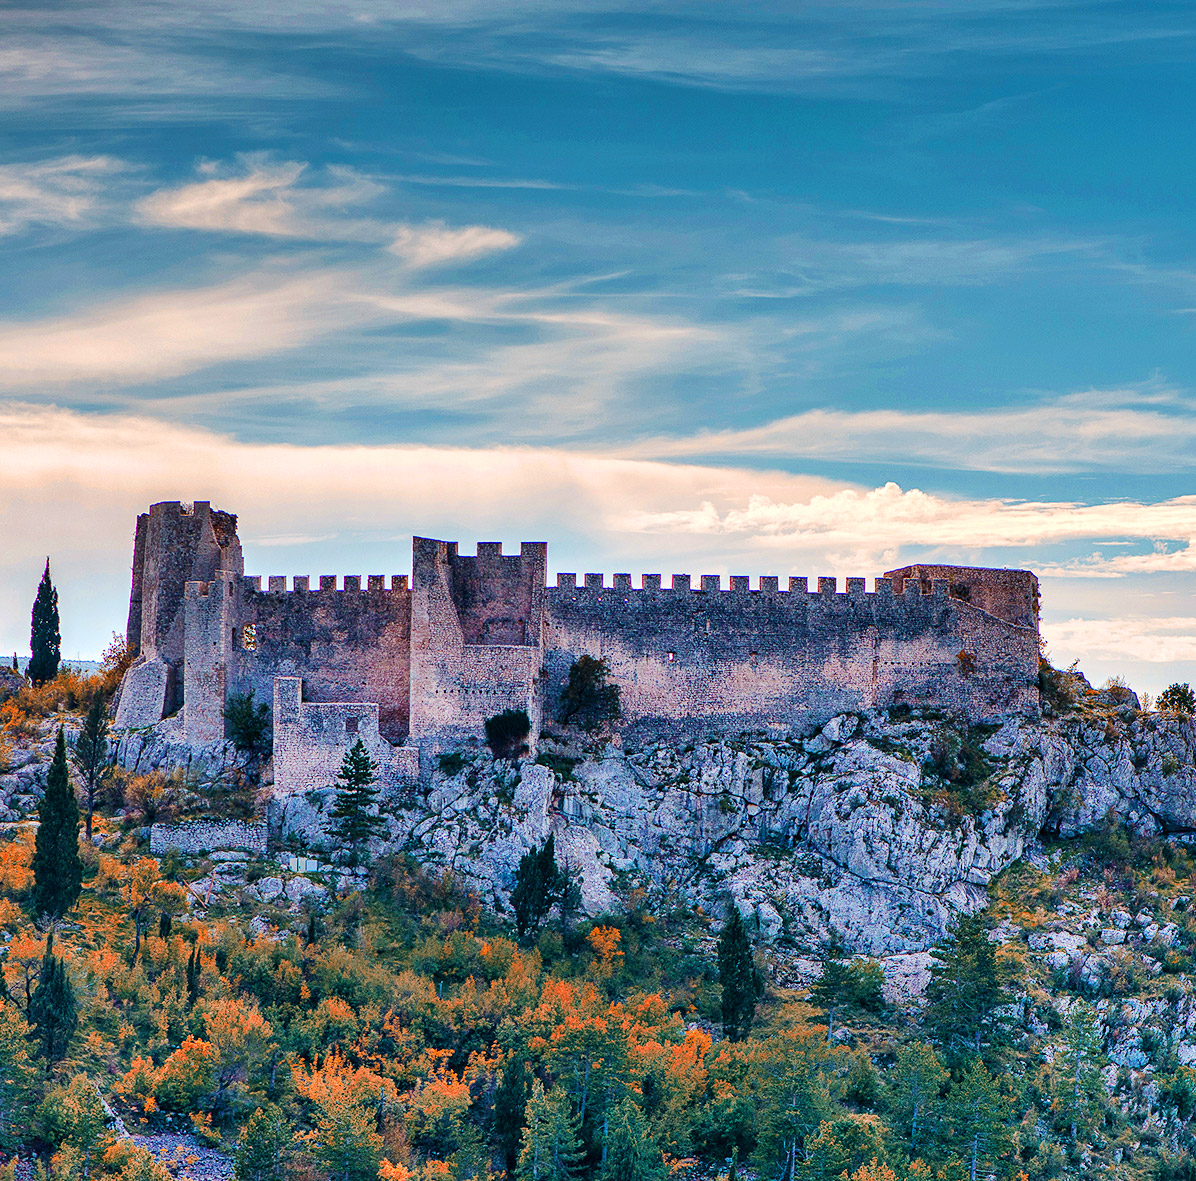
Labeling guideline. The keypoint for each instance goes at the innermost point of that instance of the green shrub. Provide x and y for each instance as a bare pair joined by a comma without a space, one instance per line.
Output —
451,763
246,725
506,733
1177,699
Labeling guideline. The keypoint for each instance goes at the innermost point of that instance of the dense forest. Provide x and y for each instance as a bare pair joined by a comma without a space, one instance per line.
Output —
392,1026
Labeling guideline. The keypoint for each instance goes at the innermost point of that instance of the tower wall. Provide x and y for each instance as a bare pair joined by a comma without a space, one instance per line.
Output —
476,635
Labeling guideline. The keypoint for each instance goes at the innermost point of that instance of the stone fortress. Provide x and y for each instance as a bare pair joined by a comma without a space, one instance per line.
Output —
415,667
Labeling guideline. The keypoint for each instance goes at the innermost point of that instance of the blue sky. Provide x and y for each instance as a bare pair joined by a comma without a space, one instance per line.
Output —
760,288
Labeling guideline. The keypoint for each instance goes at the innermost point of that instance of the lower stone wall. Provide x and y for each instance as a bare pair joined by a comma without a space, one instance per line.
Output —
205,836
312,737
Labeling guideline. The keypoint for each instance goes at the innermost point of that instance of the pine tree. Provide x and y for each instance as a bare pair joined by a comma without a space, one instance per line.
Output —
979,1116
741,982
57,870
915,1093
830,990
45,640
347,1143
352,821
90,755
263,1148
510,1106
18,1078
551,1148
631,1152
966,988
86,1119
53,1012
538,885
1078,1082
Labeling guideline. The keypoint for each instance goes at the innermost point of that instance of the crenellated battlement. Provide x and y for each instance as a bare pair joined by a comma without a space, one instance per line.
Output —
276,584
766,585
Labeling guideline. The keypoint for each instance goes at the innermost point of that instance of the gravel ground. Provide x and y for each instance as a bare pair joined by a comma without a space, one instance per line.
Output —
185,1157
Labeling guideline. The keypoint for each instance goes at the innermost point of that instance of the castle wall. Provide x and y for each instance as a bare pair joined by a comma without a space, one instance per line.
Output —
476,634
1011,595
211,623
347,645
311,739
709,659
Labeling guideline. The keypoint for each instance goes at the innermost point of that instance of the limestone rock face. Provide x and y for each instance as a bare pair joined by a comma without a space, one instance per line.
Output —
862,831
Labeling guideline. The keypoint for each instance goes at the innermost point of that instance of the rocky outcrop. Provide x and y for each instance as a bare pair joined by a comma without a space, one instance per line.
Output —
875,830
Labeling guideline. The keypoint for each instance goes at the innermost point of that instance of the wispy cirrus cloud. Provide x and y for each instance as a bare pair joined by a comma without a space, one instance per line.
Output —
1143,429
167,333
66,191
284,200
809,266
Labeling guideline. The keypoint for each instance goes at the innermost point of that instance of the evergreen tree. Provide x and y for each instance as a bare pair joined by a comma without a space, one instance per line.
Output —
979,1117
966,989
57,870
347,1142
1078,1082
90,754
830,990
18,1078
263,1147
741,981
589,697
794,1101
86,1120
538,884
631,1152
1177,699
45,641
551,1148
352,821
510,1106
915,1096
53,1012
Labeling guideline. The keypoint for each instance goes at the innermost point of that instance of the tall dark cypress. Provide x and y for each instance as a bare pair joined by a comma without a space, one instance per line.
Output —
45,639
53,1012
740,978
57,870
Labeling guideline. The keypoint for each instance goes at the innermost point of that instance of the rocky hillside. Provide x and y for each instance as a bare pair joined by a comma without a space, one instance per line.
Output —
874,831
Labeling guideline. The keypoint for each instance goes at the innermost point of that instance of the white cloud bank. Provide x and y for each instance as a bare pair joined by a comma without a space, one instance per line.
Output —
73,483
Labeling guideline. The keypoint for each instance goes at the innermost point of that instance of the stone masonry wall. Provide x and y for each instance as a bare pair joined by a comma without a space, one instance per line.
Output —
713,659
347,645
205,836
311,738
465,613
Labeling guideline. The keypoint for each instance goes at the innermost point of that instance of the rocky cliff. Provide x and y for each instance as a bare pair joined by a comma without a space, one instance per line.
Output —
875,830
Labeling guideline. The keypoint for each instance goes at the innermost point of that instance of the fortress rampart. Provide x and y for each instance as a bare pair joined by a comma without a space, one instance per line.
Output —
425,661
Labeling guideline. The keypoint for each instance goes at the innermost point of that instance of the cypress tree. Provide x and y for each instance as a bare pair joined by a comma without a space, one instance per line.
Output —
45,640
741,981
538,883
57,870
352,821
90,755
53,1012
